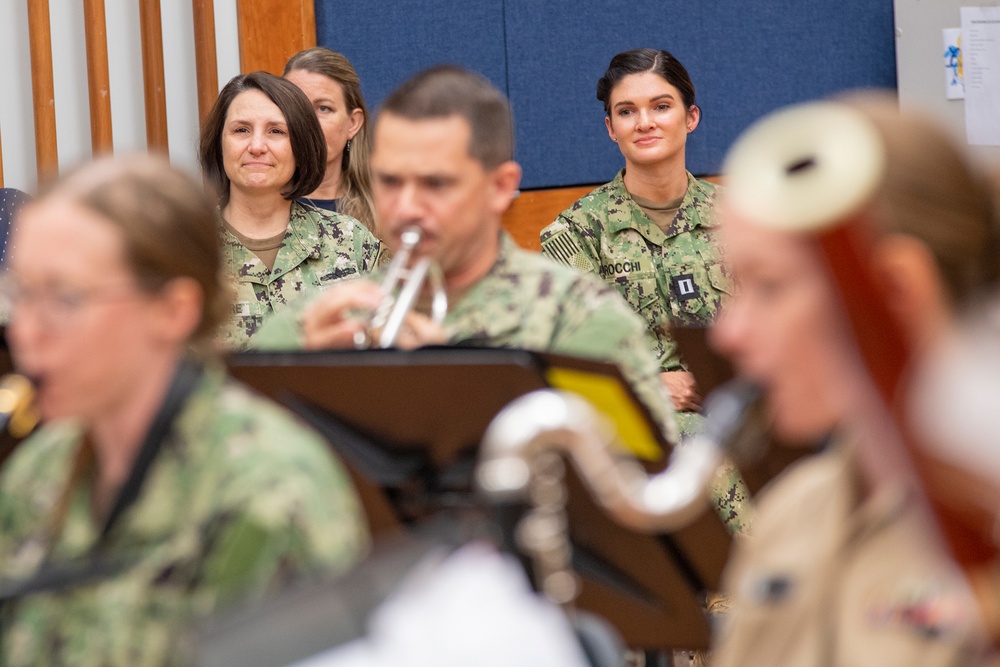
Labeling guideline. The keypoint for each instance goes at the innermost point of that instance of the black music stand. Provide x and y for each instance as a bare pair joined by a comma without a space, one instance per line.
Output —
758,462
408,424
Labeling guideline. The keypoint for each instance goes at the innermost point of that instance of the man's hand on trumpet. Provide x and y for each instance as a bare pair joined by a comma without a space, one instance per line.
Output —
339,318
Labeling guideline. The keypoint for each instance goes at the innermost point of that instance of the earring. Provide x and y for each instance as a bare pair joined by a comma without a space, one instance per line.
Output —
347,146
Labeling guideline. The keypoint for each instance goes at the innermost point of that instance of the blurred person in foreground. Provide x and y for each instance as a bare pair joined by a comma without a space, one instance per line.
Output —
844,566
157,490
961,378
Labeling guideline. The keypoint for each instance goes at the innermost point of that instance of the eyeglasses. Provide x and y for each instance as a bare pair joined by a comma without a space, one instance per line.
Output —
56,307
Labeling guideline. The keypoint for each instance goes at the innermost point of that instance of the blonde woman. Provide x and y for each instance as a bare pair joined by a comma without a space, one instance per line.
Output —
329,81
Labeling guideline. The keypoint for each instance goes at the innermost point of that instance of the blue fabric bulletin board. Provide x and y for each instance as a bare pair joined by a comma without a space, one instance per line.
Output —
746,57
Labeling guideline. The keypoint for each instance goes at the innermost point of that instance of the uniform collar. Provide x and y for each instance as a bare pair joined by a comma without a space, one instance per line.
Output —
302,225
877,509
698,199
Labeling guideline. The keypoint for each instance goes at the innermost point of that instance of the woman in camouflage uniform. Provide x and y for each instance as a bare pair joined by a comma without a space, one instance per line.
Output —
651,231
332,85
157,490
262,148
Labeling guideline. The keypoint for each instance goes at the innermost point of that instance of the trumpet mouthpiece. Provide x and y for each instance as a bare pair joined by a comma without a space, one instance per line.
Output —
410,237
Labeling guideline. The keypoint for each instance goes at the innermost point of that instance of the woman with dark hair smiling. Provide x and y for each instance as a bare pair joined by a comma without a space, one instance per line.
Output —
262,148
650,231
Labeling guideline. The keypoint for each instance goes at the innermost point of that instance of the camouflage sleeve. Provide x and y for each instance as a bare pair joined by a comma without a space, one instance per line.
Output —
289,512
731,499
29,485
595,321
282,331
563,242
367,248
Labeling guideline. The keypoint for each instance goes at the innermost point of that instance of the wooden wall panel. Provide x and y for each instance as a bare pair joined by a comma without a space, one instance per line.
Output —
271,31
534,209
206,62
98,83
42,89
151,28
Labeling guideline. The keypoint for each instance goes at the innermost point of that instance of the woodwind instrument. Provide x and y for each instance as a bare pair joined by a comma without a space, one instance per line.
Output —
815,169
520,458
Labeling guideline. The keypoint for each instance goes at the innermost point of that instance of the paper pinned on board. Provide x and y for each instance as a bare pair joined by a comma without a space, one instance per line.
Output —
954,73
981,63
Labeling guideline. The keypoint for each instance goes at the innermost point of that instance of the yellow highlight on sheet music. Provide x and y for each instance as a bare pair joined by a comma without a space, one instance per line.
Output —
607,395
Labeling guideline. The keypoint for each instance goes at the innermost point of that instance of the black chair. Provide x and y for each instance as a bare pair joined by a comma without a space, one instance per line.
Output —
11,199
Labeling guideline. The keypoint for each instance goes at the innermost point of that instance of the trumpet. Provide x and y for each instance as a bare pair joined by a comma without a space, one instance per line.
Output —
401,287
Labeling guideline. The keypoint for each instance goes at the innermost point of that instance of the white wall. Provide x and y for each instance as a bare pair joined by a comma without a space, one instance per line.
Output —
920,63
125,73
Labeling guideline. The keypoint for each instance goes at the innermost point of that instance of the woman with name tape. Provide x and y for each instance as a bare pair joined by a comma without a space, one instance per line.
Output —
650,231
262,148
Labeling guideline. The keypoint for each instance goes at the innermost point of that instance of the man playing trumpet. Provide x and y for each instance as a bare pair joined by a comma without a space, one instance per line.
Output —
442,163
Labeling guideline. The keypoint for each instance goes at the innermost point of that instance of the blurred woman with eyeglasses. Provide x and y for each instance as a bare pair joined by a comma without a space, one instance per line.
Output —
157,490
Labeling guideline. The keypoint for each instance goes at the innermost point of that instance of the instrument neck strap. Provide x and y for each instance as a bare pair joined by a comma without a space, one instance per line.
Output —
52,576
184,382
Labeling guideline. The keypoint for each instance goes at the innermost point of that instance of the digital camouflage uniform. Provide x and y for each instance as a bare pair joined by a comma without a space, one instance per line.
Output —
241,499
527,301
320,247
672,279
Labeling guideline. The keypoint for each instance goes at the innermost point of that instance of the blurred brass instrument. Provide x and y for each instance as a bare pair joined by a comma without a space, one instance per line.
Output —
520,459
17,411
402,286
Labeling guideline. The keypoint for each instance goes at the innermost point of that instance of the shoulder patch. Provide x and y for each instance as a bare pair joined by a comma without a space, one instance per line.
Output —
684,287
563,247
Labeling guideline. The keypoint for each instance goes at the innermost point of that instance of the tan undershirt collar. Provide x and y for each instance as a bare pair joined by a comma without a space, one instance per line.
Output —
661,213
266,248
